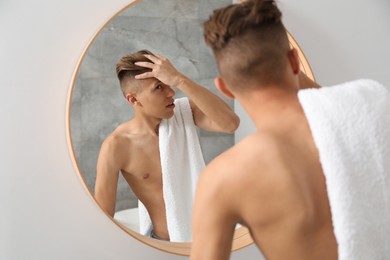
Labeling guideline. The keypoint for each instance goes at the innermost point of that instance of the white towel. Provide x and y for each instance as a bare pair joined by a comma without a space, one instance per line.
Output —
350,124
181,163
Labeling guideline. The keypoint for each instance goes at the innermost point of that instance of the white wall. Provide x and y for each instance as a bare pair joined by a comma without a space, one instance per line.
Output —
45,211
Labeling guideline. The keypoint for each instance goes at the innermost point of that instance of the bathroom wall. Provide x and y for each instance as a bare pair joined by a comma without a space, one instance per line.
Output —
45,211
172,29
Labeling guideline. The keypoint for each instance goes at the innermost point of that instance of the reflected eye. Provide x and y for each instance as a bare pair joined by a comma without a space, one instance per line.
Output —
158,87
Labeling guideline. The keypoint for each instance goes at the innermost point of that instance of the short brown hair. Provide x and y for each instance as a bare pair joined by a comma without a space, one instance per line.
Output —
249,41
126,70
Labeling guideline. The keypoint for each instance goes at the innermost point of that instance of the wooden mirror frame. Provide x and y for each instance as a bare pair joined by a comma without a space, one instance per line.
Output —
241,238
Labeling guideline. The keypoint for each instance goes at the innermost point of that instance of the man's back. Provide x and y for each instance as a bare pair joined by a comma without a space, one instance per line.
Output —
271,182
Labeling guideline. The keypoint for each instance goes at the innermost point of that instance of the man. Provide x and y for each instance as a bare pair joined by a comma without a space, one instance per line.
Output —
146,81
272,182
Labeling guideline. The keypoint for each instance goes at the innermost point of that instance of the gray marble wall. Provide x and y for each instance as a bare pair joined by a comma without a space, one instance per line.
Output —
170,28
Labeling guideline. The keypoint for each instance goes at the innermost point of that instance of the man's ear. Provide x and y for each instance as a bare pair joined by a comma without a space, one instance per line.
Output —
221,86
132,99
293,58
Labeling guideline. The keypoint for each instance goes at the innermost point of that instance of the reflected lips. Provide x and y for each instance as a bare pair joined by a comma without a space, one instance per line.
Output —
171,105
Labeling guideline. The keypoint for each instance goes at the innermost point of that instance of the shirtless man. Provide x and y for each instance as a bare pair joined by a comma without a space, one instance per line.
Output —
271,182
146,81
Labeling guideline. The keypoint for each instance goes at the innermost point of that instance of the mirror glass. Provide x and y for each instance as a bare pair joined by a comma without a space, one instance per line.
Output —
96,104
170,28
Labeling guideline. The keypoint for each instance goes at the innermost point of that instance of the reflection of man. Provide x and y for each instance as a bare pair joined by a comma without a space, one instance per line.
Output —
272,182
146,80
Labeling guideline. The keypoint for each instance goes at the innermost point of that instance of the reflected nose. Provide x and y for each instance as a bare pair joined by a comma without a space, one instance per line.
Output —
170,92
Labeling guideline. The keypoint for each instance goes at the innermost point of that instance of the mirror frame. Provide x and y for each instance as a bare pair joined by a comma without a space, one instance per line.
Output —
241,239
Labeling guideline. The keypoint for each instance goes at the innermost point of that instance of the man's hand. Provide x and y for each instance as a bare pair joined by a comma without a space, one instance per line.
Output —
162,69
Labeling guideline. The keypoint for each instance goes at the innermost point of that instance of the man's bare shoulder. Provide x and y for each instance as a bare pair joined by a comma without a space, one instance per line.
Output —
119,139
256,149
243,166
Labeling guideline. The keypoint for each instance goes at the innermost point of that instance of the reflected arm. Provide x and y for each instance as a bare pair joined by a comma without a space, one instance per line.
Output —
107,177
306,82
210,112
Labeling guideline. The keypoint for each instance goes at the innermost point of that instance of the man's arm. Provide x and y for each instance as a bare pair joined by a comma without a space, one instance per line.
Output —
306,82
213,222
210,112
107,176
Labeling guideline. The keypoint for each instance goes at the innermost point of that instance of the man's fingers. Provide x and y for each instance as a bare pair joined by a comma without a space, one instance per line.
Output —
159,56
144,75
145,64
153,58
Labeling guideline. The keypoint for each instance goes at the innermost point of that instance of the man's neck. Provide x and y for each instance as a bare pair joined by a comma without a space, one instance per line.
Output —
146,124
266,106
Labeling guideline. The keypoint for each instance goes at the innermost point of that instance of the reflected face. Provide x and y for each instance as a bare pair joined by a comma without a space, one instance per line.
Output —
155,99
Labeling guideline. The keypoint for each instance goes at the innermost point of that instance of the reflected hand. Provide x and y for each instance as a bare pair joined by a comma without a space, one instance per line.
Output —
162,69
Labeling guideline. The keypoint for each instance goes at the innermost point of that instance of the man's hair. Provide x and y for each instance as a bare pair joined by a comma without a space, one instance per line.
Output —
126,71
249,42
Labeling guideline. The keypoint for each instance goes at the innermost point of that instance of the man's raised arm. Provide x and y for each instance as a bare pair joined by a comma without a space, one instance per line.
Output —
306,82
210,112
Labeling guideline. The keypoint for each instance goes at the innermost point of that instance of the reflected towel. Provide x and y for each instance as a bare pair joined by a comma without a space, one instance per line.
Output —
181,163
350,124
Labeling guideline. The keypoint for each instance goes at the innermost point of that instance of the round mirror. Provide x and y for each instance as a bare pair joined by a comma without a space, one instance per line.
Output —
96,105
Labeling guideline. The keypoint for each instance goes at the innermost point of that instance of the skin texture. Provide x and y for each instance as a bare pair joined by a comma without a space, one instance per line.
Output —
272,181
132,148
